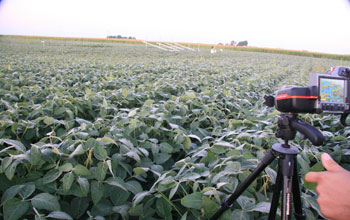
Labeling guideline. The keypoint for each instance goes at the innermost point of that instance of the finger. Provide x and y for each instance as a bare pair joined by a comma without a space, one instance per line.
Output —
329,163
313,177
325,206
318,191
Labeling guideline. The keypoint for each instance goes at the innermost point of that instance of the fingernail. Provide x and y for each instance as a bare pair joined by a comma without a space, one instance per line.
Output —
327,156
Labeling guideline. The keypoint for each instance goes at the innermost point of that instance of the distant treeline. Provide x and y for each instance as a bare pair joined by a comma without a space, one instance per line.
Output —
121,37
234,43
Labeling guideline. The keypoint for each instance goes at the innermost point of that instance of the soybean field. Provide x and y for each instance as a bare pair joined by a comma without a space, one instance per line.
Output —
107,130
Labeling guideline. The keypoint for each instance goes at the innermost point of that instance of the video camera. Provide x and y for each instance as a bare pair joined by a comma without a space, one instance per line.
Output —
327,93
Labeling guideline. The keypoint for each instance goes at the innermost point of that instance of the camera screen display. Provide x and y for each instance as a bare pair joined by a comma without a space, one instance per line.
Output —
332,90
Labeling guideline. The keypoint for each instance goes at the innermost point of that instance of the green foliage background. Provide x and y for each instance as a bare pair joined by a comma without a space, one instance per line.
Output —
100,130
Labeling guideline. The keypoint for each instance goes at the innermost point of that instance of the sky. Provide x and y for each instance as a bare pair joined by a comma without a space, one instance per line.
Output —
312,25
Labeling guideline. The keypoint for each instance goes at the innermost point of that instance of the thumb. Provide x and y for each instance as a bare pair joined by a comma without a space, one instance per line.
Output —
329,163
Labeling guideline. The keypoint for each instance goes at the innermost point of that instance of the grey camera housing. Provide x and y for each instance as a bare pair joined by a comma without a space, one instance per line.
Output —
333,90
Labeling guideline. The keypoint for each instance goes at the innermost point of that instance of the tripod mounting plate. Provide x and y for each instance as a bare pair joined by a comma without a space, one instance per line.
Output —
285,149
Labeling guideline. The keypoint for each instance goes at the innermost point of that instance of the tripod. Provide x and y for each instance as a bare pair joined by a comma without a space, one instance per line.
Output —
287,175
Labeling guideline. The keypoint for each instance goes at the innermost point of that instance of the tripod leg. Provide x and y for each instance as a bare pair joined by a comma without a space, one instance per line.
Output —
299,212
276,195
267,159
287,167
286,198
285,176
284,183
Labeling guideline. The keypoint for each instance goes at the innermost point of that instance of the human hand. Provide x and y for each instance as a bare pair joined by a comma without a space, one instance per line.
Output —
333,189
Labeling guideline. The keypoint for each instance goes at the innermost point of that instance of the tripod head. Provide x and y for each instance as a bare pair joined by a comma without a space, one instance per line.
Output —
289,124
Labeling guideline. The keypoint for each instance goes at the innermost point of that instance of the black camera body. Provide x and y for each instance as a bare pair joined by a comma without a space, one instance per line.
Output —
295,99
327,93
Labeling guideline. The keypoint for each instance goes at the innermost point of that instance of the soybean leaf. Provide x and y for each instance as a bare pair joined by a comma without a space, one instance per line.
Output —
148,102
193,200
133,186
49,120
245,202
122,210
60,110
51,176
166,148
162,158
18,145
140,170
304,164
127,143
224,144
139,197
108,140
132,113
27,190
99,152
34,155
173,191
90,143
271,173
133,155
137,210
84,185
125,92
315,168
101,171
239,215
66,167
163,208
11,192
103,208
118,182
6,162
190,176
60,215
15,208
209,207
96,191
109,164
78,207
67,179
119,196
184,216
46,201
219,149
195,137
80,170
78,151
187,143
263,207
143,151
311,201
11,169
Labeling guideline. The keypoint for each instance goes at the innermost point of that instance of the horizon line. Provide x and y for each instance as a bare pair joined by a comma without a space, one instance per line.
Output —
180,42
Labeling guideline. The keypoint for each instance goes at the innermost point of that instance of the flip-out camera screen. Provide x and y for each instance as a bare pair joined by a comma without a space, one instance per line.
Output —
332,90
